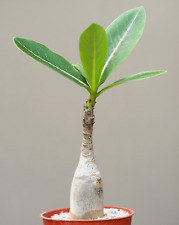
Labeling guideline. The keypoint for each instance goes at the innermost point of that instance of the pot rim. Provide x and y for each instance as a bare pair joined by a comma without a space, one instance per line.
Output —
130,211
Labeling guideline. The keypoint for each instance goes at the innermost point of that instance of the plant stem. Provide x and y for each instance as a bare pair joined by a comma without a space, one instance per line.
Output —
87,189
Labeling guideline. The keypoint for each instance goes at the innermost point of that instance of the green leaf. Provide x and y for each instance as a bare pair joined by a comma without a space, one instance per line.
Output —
93,50
134,77
80,69
122,34
51,59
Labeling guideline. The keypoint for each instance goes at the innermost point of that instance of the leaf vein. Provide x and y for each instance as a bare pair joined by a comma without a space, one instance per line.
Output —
38,56
117,46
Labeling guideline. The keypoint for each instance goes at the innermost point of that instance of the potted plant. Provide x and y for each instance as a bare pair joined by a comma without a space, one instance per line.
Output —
101,51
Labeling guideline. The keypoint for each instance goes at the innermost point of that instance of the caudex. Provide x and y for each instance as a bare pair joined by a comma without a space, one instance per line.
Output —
101,51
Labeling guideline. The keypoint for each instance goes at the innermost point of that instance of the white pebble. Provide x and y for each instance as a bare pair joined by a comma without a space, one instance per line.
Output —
109,213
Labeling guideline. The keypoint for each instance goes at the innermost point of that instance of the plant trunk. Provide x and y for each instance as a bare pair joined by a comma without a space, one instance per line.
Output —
86,201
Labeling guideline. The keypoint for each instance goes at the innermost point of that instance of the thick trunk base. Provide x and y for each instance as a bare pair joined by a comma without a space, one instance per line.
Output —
86,200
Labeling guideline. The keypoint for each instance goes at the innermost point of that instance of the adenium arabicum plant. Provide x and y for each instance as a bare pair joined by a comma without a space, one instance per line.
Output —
101,51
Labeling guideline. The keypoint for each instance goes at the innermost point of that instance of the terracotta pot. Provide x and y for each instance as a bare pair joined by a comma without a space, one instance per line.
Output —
46,216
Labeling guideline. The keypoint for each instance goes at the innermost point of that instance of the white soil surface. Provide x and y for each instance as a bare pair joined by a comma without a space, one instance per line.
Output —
109,213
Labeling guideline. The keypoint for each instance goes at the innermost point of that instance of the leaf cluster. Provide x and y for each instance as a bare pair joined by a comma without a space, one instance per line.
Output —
101,52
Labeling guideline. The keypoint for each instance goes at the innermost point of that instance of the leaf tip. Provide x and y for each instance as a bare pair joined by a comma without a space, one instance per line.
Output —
16,40
95,26
141,7
162,71
142,11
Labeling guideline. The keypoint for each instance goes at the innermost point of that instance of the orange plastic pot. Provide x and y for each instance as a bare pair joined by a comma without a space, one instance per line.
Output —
47,220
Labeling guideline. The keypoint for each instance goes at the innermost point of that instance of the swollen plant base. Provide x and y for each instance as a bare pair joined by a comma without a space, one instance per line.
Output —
124,217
